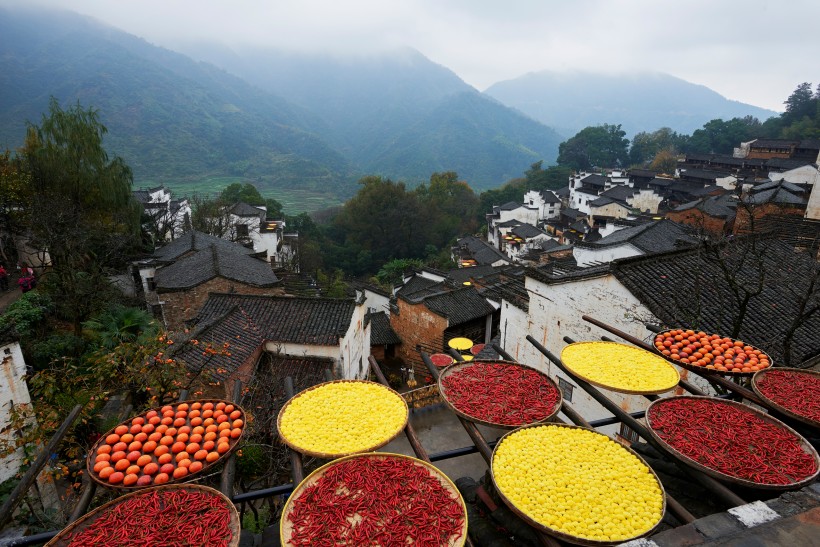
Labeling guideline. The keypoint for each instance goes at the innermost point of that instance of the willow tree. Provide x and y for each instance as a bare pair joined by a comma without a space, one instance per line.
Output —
82,215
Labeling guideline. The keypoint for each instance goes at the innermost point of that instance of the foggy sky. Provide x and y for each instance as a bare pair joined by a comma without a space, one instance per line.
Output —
754,51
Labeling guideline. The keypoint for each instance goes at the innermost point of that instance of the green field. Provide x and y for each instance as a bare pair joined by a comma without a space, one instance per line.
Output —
293,200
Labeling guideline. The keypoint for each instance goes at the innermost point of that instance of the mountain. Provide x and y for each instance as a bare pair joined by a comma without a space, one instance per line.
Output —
570,101
170,118
397,113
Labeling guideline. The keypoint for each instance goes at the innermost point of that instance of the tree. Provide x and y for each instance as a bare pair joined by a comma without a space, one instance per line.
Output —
600,146
665,161
800,103
450,207
646,146
82,216
721,137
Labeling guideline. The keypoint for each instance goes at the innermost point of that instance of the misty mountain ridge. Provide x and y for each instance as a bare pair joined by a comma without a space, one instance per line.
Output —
638,101
286,120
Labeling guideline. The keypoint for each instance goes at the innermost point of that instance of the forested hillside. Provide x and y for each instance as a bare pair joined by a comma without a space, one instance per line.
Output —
169,117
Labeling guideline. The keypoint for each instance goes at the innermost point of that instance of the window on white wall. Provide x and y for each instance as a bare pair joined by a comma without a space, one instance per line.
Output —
566,389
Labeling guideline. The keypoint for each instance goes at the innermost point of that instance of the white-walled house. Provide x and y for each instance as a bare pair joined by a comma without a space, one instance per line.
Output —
794,171
248,225
168,218
653,237
547,204
678,288
329,330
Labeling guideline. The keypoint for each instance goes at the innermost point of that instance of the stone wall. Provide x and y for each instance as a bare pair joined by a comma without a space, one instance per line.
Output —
180,306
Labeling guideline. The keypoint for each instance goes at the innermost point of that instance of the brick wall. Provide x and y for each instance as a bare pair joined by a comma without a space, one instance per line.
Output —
415,324
181,306
698,220
744,223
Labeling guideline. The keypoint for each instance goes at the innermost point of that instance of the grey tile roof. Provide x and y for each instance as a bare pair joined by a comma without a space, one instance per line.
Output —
779,196
594,180
600,202
214,261
510,206
788,186
642,173
562,192
243,209
564,271
773,143
381,333
460,275
702,174
509,223
619,193
415,284
653,237
459,306
195,241
674,286
481,251
549,197
662,182
315,321
572,213
527,231
234,332
716,206
786,164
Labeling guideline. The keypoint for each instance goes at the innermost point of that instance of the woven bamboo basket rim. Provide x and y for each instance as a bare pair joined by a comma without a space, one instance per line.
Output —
233,443
89,518
333,455
457,367
617,389
285,530
704,370
758,377
804,444
563,535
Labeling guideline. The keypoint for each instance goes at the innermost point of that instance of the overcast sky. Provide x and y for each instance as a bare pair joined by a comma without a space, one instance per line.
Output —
755,51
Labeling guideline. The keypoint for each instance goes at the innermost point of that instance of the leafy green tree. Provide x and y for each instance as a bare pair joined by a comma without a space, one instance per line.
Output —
551,178
391,273
600,146
237,191
381,222
645,146
665,161
800,103
721,137
82,216
450,207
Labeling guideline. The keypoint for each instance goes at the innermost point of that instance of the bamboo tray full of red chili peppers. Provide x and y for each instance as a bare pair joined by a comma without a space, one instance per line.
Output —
733,442
375,499
794,392
499,393
170,515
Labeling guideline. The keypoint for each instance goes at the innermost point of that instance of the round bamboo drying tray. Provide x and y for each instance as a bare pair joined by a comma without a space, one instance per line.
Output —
808,448
563,535
86,520
758,377
457,367
618,389
286,529
441,360
704,370
89,461
331,455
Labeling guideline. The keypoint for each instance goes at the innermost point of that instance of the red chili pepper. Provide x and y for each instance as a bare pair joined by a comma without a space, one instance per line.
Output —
501,393
154,518
796,391
731,440
376,501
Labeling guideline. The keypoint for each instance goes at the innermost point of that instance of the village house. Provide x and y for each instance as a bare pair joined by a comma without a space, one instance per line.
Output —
712,215
304,335
177,279
779,198
654,237
427,313
167,218
679,288
471,251
249,225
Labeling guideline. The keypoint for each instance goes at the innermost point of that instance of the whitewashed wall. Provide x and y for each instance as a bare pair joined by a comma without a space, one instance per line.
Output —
802,175
586,256
13,391
646,200
611,210
813,208
555,311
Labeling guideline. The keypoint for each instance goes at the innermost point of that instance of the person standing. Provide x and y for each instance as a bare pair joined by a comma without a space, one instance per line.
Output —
4,278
